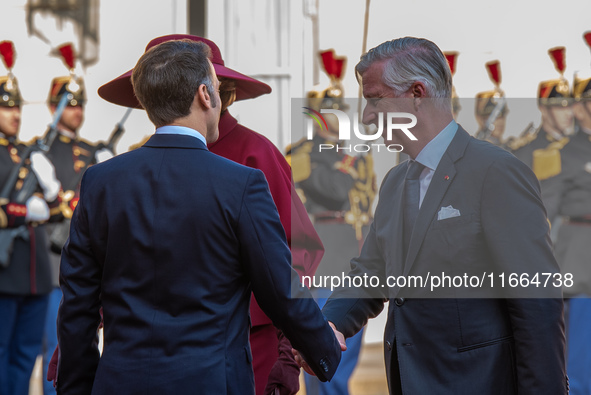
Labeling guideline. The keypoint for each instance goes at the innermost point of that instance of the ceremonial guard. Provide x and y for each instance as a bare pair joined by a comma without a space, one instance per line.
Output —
338,191
452,59
554,102
490,108
29,190
70,155
568,194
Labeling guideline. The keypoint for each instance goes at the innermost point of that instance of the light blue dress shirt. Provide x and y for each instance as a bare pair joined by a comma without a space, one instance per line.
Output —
431,155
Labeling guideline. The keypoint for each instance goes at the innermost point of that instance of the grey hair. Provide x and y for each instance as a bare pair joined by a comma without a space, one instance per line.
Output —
411,59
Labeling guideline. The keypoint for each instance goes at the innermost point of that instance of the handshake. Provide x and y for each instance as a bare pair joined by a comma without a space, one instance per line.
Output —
302,362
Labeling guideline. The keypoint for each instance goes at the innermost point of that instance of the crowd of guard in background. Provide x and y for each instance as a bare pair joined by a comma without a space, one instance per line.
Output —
70,155
338,191
29,289
564,170
559,153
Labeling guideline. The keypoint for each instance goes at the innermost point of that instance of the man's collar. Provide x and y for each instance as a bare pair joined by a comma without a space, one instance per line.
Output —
170,129
68,134
432,153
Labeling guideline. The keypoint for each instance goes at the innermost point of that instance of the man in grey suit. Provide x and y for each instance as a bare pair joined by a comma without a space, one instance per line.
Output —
457,206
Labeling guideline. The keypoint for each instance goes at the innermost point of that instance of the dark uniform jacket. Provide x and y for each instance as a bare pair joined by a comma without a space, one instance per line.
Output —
338,192
568,194
28,272
525,147
68,157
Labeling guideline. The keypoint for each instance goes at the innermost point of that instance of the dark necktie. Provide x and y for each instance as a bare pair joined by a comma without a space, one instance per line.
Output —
411,200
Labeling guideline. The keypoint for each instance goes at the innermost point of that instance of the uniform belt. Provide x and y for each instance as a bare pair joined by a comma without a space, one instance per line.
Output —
582,220
325,216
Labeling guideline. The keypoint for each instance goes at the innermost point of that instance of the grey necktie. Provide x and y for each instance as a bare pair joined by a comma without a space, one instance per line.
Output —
411,200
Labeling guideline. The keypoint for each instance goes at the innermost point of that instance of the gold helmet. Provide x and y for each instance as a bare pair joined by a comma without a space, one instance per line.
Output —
582,86
332,97
487,101
452,57
555,92
72,85
10,95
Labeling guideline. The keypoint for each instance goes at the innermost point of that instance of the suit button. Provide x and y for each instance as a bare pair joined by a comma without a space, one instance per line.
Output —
399,301
389,346
324,365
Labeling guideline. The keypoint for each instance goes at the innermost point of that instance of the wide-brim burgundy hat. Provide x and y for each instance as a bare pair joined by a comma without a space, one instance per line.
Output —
120,91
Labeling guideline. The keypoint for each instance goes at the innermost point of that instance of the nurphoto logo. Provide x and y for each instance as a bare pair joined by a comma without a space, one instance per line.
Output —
345,127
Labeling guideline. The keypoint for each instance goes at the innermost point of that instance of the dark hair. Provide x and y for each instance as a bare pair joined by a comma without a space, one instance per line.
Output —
167,77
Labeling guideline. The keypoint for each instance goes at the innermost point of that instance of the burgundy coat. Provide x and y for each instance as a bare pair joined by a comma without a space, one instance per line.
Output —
252,149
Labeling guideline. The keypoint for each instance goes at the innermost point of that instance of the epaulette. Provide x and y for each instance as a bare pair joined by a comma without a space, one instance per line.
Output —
298,158
547,161
85,142
296,146
31,141
347,166
288,149
3,218
523,140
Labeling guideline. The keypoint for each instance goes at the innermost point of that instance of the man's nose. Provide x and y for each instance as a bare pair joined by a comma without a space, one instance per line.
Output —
369,116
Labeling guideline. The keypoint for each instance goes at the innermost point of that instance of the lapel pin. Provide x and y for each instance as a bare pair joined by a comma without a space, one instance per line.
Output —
446,178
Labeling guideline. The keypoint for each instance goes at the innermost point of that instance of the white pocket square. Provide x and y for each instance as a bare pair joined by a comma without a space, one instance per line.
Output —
447,212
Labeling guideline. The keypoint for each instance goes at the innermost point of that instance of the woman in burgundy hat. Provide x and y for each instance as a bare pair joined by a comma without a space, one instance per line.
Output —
274,366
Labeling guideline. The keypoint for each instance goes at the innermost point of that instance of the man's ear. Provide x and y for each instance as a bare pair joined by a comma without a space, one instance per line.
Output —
203,97
418,91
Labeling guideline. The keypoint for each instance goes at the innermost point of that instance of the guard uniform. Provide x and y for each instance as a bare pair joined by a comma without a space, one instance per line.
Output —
490,108
567,193
25,279
452,59
529,147
70,155
338,191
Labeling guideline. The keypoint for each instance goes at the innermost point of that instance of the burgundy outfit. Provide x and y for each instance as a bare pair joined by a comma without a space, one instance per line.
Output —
252,149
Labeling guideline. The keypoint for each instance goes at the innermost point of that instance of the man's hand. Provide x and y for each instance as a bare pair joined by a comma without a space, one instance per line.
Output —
302,362
340,337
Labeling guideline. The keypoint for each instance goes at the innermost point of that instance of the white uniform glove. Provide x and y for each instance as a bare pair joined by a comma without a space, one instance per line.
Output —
103,154
45,173
37,210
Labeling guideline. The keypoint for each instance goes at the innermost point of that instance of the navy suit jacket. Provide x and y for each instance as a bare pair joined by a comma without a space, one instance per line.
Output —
170,239
450,342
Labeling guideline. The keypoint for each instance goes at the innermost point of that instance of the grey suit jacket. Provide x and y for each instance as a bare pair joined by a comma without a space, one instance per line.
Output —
451,342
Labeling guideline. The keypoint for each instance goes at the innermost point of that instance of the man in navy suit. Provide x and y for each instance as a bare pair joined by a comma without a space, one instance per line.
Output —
459,205
173,275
